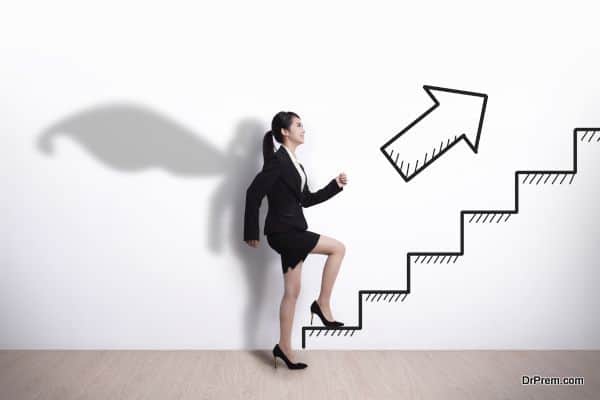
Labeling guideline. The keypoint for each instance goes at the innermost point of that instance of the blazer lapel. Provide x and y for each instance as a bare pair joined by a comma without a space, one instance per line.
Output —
289,172
305,176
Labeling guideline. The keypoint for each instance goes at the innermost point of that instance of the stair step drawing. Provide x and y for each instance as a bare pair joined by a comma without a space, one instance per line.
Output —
542,177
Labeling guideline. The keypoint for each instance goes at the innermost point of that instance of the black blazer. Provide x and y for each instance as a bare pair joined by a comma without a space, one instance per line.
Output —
280,181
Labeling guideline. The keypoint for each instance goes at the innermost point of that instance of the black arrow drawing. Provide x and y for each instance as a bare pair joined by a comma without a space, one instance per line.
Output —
458,115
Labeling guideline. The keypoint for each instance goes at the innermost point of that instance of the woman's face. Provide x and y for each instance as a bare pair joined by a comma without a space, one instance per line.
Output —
296,132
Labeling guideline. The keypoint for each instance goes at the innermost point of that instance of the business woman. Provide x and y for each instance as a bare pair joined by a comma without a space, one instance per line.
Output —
284,182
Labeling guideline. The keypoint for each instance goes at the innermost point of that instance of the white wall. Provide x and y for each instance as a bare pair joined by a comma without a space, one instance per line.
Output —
129,133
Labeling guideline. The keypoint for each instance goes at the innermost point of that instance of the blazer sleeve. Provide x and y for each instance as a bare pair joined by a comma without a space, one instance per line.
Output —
259,187
310,198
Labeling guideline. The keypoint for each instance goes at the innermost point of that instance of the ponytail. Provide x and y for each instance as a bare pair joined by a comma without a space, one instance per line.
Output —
268,146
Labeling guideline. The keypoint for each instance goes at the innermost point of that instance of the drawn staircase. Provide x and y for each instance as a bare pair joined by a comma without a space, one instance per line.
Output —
544,177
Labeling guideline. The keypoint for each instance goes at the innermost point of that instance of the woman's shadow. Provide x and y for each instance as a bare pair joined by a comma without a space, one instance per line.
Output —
131,137
245,150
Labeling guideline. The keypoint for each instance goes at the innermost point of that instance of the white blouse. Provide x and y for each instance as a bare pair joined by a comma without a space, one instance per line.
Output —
300,171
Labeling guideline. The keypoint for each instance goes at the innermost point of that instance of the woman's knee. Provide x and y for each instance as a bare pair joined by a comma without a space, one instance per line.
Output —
292,282
341,248
292,292
327,245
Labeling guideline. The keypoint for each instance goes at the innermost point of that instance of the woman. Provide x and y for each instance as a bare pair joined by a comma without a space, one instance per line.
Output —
284,182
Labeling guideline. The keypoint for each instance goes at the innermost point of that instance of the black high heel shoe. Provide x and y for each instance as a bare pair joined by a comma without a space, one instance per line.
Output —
315,309
277,352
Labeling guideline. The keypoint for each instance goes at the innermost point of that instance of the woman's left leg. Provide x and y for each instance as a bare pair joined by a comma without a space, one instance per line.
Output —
288,308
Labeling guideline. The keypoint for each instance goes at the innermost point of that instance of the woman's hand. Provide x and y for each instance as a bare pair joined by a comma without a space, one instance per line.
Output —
341,179
253,243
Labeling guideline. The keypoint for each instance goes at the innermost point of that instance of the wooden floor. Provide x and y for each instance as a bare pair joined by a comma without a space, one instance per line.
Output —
365,375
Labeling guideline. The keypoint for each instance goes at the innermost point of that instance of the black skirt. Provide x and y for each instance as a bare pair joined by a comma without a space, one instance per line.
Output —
293,246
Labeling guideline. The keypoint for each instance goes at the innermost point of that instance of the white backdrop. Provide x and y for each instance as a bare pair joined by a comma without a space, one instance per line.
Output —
130,131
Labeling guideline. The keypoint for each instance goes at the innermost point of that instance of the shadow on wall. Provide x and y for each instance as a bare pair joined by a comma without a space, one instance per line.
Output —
129,137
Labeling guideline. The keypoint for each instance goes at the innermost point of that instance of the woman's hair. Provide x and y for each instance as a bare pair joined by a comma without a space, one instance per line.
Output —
281,120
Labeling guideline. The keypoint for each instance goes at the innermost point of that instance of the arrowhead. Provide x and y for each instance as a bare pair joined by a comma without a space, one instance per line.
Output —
464,109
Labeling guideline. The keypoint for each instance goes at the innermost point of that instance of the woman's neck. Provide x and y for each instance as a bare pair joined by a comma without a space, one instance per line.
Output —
291,147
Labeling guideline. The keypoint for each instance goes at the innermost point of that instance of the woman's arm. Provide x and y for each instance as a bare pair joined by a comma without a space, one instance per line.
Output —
310,199
254,194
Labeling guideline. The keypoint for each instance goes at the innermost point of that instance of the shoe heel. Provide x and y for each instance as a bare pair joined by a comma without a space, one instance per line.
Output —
275,361
311,318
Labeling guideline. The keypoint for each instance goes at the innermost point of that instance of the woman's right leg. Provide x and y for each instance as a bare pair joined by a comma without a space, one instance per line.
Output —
291,291
335,251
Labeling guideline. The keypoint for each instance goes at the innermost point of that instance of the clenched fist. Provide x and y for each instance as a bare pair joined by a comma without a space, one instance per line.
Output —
341,179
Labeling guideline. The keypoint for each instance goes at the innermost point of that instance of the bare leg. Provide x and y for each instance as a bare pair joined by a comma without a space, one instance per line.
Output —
288,307
335,251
